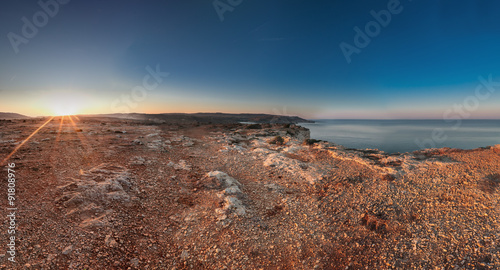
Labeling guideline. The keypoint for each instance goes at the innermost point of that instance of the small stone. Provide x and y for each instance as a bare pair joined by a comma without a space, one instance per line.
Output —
184,254
110,241
67,250
137,142
134,262
51,257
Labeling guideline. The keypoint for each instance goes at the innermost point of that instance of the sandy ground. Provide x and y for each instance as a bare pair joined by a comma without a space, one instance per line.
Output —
122,194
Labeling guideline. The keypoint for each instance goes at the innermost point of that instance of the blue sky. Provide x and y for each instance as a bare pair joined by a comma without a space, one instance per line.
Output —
264,56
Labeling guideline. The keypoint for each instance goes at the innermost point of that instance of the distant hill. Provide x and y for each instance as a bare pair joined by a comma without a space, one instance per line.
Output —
214,118
9,115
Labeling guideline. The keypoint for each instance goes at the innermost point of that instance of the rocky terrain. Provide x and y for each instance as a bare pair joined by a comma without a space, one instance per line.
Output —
104,193
207,118
6,115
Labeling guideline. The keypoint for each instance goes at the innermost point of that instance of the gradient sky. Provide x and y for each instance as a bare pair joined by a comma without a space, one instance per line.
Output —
280,57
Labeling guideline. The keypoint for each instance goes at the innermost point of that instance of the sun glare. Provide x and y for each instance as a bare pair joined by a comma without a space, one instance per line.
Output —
64,104
64,111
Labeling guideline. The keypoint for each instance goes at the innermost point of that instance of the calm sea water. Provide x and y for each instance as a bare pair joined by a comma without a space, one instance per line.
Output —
406,135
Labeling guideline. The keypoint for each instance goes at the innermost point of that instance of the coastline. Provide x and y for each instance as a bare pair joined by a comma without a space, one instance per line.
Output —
407,136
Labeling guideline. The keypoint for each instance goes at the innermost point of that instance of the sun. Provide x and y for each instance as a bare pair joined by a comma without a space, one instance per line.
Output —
65,104
64,111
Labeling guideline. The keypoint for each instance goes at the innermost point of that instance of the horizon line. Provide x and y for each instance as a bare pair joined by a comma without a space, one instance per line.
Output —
378,119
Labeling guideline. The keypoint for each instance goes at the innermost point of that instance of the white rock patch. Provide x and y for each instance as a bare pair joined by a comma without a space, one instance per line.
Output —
295,167
232,204
94,192
182,165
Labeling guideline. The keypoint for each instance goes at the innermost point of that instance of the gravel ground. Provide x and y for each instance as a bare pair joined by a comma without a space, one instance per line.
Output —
105,193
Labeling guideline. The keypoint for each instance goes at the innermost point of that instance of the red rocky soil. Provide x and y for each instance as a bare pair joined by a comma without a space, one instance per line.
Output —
128,194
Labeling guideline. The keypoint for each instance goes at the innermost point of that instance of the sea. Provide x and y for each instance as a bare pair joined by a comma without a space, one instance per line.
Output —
393,136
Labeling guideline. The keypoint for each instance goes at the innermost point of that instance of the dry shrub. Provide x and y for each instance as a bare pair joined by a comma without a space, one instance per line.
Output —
254,126
302,158
374,223
186,200
490,183
273,211
278,140
388,177
310,141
